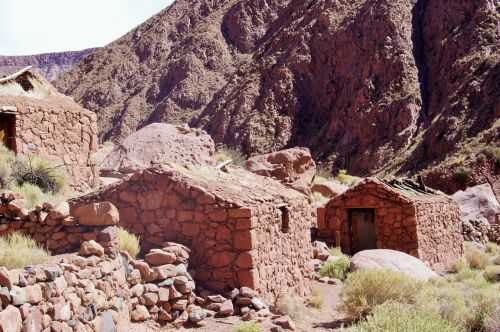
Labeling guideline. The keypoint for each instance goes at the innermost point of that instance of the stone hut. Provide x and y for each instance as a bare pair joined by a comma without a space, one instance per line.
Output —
376,214
36,119
243,229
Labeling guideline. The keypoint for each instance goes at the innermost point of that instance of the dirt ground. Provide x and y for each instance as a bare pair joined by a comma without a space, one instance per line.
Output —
326,319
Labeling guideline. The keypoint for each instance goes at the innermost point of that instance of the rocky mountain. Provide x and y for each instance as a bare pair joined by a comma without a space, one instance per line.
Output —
371,86
50,65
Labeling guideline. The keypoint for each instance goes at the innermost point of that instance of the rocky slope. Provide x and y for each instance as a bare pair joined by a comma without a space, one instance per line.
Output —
372,86
50,65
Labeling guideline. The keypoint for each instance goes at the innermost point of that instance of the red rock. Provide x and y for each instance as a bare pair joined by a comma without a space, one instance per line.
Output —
157,257
139,314
5,278
34,294
97,214
61,312
91,247
10,320
33,321
285,322
226,309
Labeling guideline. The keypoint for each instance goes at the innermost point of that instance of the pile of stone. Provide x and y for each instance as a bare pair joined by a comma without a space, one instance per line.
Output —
162,289
79,293
321,255
494,233
476,230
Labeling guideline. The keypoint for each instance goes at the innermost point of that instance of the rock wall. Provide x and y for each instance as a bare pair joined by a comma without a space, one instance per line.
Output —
232,246
52,226
428,228
440,237
59,130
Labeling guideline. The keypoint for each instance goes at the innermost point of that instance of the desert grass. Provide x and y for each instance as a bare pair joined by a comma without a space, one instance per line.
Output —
336,268
492,273
316,299
366,289
226,153
45,174
476,258
287,304
397,317
247,327
18,250
128,242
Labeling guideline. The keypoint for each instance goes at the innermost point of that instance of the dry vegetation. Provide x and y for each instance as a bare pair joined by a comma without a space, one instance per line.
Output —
18,250
36,179
128,242
336,268
465,300
225,153
247,327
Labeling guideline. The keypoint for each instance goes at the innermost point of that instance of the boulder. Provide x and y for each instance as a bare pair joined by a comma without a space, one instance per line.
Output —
159,143
89,248
320,250
392,260
293,167
478,202
10,320
96,214
158,257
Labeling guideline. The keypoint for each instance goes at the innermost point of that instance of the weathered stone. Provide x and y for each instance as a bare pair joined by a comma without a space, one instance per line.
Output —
61,312
106,323
33,321
89,248
157,257
18,296
97,214
140,314
285,322
5,278
226,309
10,319
196,314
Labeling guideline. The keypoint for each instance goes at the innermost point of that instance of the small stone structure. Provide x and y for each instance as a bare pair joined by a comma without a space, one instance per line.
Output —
243,229
375,214
36,119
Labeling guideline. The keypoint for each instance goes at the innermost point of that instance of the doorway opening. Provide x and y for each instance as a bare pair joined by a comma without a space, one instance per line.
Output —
8,131
362,226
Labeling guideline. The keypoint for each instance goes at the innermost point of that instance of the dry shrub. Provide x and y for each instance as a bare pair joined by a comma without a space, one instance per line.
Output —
336,268
346,179
18,250
365,289
492,273
397,317
476,258
492,248
496,260
128,242
316,300
492,322
247,327
458,265
34,196
287,304
336,251
226,153
39,172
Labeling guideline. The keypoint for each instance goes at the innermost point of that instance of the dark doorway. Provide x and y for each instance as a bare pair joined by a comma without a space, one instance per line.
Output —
8,130
362,223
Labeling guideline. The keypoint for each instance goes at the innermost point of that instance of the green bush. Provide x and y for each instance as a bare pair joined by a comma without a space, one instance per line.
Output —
128,242
225,153
18,250
247,327
336,268
365,289
397,317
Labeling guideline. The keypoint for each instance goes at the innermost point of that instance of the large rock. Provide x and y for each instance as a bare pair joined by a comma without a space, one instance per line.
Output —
329,189
478,202
159,143
10,320
97,214
293,167
392,260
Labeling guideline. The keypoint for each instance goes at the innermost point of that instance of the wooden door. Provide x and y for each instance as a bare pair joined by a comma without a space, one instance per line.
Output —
363,229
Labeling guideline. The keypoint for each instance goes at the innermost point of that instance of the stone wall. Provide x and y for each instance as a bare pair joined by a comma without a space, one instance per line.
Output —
440,237
228,241
427,227
57,129
52,226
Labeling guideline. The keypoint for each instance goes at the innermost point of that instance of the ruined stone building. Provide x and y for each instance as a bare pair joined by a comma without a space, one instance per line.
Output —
375,214
243,229
36,119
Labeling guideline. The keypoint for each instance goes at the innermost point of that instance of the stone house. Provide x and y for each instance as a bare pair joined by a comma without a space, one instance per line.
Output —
36,119
376,214
243,229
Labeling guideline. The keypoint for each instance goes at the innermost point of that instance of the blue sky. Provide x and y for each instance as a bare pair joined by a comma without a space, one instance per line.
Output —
40,26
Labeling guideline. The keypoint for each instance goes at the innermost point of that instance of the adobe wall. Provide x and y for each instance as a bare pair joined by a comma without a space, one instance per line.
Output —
61,131
395,222
440,235
221,235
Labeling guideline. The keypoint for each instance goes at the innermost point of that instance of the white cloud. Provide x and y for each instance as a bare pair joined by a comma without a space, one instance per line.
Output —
39,26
